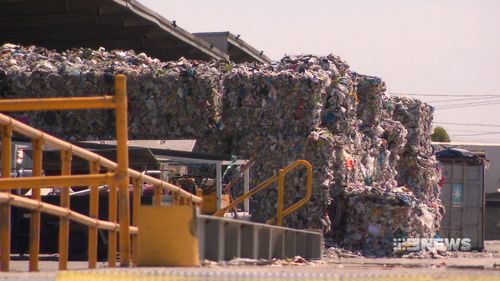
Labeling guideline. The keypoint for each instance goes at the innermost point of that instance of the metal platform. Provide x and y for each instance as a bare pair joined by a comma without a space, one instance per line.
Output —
222,239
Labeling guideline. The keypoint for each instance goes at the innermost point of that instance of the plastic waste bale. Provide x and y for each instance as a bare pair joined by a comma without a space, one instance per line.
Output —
164,97
376,217
364,145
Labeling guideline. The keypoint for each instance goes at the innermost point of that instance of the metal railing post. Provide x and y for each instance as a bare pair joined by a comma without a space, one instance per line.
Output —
136,205
281,192
37,155
93,213
122,169
6,132
66,157
157,195
112,202
175,199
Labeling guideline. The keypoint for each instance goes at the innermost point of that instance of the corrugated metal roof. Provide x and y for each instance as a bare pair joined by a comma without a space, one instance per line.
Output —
178,145
112,24
237,49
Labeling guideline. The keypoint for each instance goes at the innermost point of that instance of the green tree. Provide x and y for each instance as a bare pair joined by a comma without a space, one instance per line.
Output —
440,135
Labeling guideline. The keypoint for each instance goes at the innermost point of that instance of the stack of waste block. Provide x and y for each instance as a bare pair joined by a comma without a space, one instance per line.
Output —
164,97
375,176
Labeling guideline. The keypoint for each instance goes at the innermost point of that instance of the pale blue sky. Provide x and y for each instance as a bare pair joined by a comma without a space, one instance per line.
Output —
416,46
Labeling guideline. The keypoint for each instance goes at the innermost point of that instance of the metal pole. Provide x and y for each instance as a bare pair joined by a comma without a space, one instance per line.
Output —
136,205
112,218
66,158
218,184
57,103
246,189
93,213
37,154
54,210
281,192
176,199
6,132
50,181
122,169
157,195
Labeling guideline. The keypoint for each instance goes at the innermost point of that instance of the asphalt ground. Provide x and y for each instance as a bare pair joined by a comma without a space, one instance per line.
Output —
457,266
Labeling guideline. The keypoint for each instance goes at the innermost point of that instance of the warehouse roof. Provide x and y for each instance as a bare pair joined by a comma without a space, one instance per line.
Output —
237,49
112,24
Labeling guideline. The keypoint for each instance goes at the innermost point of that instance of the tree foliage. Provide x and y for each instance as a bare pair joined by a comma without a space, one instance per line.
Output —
440,135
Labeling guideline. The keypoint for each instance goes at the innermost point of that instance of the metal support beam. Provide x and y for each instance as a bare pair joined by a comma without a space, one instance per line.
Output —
37,148
136,205
37,182
246,189
93,213
218,185
64,221
47,208
6,132
57,103
112,218
122,169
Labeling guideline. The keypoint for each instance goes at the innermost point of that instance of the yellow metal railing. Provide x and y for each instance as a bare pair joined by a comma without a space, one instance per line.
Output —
117,178
280,177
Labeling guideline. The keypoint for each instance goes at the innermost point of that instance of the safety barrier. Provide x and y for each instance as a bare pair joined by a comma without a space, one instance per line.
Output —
280,177
117,178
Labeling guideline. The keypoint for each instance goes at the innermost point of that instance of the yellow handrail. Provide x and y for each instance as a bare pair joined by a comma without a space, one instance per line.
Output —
280,213
31,204
117,178
87,155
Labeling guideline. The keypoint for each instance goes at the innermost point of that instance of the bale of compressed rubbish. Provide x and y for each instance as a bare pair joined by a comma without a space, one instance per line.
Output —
375,177
164,97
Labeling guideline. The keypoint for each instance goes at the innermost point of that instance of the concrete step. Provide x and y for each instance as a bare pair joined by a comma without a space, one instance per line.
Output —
222,239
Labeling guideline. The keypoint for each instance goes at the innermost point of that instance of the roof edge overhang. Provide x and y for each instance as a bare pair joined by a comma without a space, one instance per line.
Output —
241,44
173,29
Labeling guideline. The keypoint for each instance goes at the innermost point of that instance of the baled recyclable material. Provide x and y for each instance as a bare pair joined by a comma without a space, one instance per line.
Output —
375,177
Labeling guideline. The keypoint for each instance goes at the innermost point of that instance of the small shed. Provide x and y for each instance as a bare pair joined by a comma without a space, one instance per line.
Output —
463,195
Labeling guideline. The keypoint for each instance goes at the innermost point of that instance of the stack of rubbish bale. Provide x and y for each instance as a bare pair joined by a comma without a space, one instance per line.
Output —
268,115
164,97
382,206
375,178
418,168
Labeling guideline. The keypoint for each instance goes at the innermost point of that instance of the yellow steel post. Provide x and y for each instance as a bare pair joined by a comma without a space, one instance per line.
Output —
66,157
112,202
157,195
199,193
93,213
6,132
136,205
37,154
175,198
281,193
122,169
